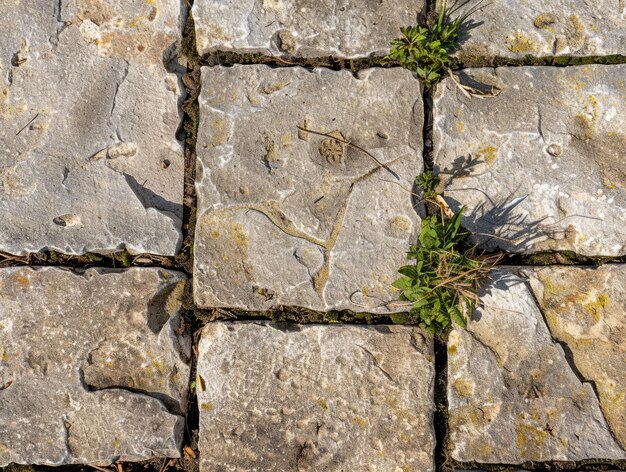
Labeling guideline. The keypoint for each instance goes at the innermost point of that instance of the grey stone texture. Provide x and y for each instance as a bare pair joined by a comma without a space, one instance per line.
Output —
287,217
88,116
304,28
520,28
93,367
315,398
541,165
515,393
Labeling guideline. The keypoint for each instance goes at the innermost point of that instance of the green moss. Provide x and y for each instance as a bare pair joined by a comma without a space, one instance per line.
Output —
54,256
400,318
17,468
192,121
188,43
93,257
123,258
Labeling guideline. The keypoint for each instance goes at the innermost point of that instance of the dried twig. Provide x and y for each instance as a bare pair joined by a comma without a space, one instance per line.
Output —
27,124
349,143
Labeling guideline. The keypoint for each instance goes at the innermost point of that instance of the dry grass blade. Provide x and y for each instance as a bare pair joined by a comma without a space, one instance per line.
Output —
101,469
351,144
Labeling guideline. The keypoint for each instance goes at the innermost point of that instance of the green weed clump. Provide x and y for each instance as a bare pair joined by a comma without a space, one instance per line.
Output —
442,284
426,50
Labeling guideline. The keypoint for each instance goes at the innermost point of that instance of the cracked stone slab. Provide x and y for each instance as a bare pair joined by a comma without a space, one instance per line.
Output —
89,160
514,393
585,309
540,166
315,397
289,217
93,367
305,28
519,28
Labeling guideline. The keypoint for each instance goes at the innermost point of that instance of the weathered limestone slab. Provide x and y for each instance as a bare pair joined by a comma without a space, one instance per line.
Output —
287,217
305,28
88,116
90,365
541,166
519,28
315,398
585,308
513,394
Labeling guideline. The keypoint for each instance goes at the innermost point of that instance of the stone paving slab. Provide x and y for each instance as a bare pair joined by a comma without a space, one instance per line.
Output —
304,28
520,28
541,166
523,390
314,398
585,308
88,116
287,217
93,367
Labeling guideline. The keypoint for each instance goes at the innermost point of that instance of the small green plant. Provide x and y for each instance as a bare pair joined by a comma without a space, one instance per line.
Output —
426,50
428,183
442,284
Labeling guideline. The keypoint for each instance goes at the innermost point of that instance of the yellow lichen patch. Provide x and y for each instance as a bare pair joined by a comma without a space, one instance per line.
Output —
521,43
400,224
268,89
579,34
21,279
174,299
137,44
322,404
488,154
453,342
207,406
220,133
7,110
240,236
464,387
543,20
474,417
587,120
596,308
530,440
360,421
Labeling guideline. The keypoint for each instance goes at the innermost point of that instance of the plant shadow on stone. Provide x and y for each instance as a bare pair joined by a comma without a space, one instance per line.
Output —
497,224
425,50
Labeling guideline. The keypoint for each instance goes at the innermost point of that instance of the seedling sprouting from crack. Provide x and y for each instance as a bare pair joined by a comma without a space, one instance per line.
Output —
426,50
441,287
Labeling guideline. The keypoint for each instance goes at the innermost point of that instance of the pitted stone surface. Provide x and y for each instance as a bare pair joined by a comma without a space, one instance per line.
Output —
585,308
305,28
88,116
519,28
287,217
513,395
541,166
90,364
315,398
